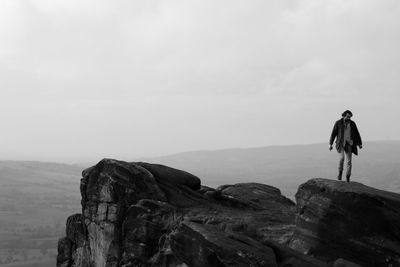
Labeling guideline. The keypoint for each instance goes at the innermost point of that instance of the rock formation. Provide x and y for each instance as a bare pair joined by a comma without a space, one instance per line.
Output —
348,220
142,214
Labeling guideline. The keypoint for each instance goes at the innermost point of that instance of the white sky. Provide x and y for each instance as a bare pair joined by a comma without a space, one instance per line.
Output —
82,80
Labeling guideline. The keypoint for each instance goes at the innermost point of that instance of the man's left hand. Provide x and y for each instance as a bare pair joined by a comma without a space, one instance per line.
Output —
360,146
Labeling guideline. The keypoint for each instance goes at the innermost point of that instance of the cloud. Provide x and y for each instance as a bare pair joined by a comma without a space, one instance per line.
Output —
202,48
197,67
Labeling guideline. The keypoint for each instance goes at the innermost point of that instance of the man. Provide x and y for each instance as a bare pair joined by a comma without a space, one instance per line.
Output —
347,139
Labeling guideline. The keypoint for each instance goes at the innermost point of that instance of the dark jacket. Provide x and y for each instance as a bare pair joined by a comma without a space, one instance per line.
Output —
338,133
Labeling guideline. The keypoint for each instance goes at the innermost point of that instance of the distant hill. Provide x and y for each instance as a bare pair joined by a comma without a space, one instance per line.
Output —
286,167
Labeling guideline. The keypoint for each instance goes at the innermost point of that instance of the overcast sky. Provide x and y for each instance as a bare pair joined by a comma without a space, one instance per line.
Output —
83,80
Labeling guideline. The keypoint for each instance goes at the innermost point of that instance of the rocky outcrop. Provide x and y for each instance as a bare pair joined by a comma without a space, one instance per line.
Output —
143,214
349,221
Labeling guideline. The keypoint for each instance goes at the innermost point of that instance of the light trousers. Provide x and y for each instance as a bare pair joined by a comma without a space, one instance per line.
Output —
345,152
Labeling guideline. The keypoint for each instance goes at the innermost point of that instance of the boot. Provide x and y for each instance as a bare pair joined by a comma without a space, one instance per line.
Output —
348,178
339,177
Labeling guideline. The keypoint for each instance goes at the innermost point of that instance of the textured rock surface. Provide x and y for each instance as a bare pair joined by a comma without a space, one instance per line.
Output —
141,214
171,175
205,245
351,221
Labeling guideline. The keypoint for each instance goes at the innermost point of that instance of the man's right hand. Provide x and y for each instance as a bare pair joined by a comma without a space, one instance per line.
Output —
330,147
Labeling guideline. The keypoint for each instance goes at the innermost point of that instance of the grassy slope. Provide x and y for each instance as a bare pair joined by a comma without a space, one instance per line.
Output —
33,263
36,193
35,200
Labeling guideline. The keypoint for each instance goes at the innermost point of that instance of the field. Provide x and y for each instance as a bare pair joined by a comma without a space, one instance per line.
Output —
35,201
46,262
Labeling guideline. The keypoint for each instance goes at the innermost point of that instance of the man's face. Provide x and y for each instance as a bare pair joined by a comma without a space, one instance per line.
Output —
347,117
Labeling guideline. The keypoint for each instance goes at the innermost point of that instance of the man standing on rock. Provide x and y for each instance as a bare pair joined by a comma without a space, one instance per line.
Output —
347,139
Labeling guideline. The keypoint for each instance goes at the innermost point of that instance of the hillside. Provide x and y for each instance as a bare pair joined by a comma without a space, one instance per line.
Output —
35,199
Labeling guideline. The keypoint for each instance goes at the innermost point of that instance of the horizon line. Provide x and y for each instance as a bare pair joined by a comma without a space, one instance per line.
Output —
80,163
